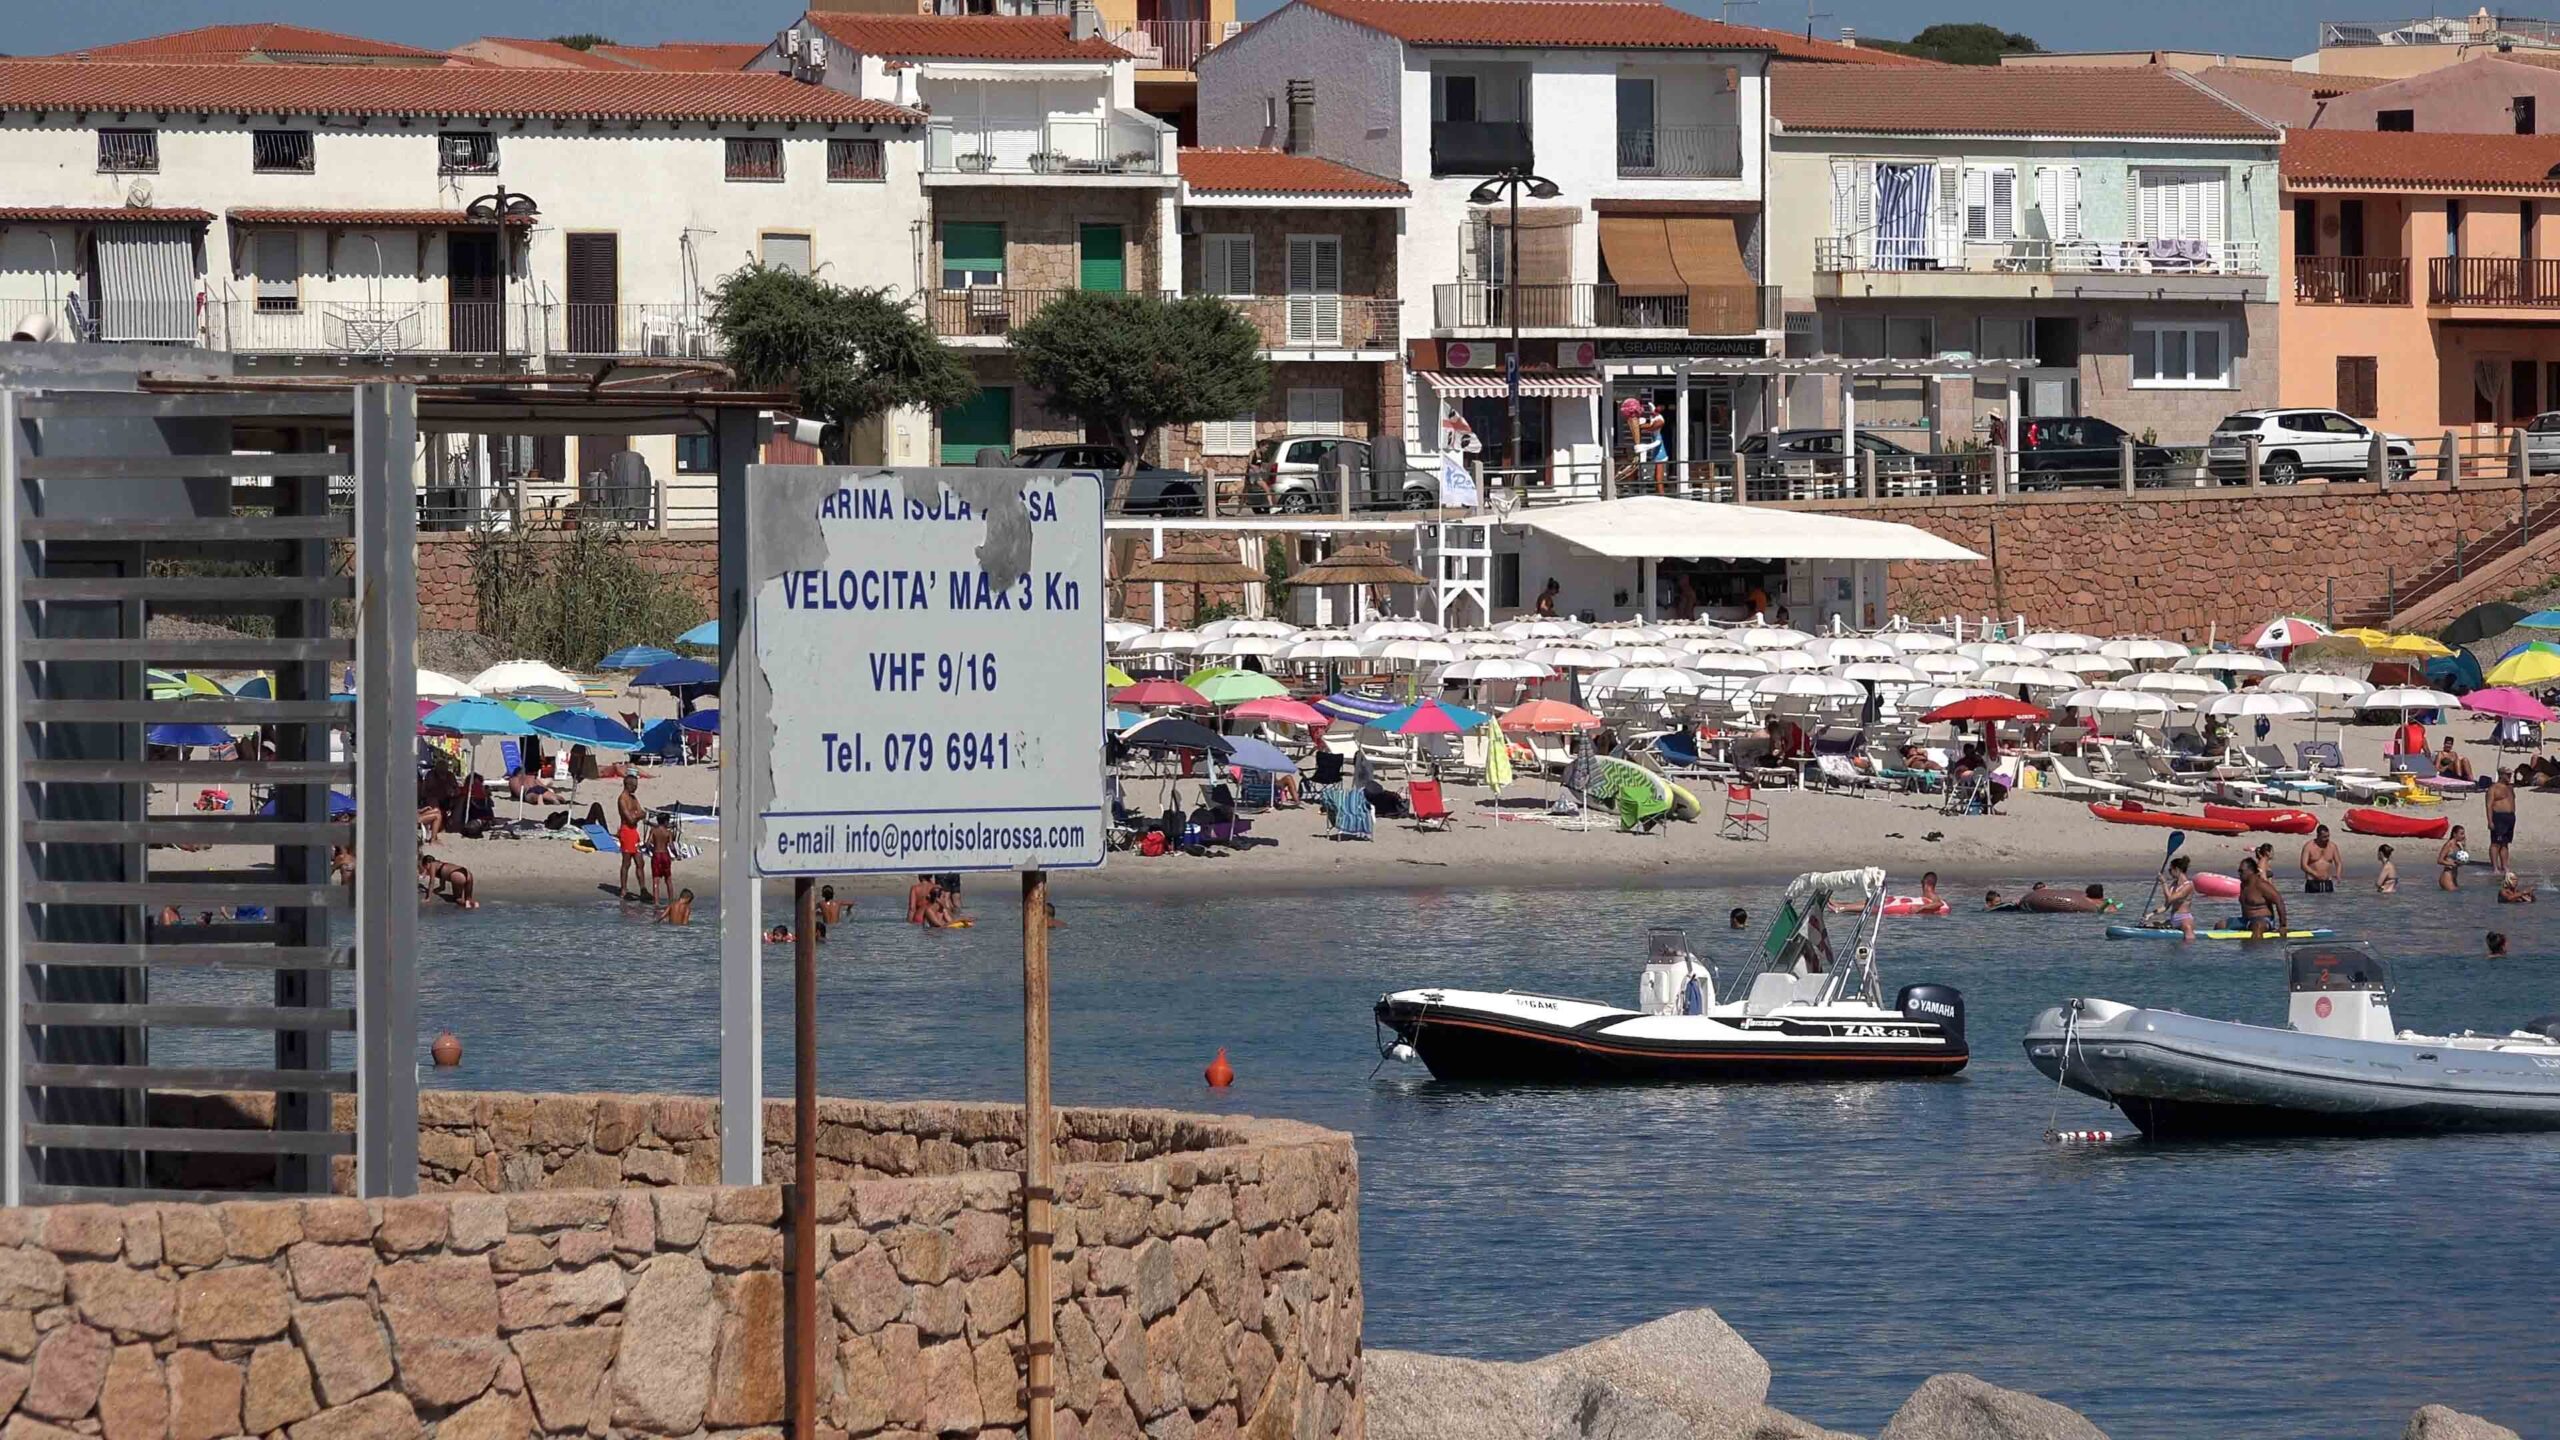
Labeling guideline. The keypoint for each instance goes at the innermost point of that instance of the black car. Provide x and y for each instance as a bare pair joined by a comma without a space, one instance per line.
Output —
1153,490
2055,451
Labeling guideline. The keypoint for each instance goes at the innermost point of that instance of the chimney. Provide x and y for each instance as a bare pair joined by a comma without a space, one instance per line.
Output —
1302,117
1849,36
1084,23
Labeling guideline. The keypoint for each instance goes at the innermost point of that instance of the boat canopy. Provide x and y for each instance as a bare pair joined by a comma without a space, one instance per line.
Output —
1799,934
2335,967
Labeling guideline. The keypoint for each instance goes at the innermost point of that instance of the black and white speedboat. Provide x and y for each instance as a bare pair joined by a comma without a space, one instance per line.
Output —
1811,1012
2338,1067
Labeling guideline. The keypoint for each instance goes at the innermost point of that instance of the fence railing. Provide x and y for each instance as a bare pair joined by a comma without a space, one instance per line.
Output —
1867,250
672,331
467,327
2351,279
1320,322
2493,280
1707,310
1680,152
33,312
1113,144
988,310
1167,44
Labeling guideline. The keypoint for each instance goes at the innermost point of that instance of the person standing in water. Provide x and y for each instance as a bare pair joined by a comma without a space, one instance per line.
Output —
2260,901
2502,818
2323,863
628,813
680,912
2386,881
2449,858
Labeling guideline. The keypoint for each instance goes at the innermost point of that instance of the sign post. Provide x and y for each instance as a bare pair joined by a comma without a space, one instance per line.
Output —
926,683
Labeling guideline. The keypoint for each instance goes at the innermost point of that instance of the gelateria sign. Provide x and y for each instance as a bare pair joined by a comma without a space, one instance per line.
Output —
929,642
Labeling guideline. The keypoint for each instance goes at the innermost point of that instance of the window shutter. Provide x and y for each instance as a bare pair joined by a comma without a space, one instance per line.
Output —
279,267
2211,198
1226,265
2048,200
1315,409
1977,204
2004,204
1950,184
1227,437
1862,197
2070,203
2146,206
1844,198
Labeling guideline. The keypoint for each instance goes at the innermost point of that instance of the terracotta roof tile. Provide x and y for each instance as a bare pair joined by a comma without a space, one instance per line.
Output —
2027,100
100,214
1219,171
2400,159
686,54
1586,24
518,51
433,91
2312,80
964,37
223,43
381,219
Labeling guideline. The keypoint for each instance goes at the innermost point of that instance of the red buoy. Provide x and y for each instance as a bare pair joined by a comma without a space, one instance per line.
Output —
1220,1074
447,1050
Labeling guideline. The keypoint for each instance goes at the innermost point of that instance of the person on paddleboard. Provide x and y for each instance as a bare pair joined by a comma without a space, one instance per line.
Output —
2260,901
2177,901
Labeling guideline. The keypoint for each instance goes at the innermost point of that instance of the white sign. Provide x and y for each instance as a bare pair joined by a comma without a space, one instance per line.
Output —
1466,355
931,646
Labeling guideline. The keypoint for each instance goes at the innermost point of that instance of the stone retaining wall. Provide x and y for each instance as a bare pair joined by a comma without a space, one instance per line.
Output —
1208,1284
447,600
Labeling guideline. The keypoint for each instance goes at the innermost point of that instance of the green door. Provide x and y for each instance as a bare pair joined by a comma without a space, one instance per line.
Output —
975,424
1101,262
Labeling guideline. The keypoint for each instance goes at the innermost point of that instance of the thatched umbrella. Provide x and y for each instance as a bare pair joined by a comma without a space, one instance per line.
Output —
1195,566
1357,565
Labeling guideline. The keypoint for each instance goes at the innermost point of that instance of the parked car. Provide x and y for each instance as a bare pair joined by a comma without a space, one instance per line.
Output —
1153,489
2542,443
1290,473
1809,451
2293,443
2055,451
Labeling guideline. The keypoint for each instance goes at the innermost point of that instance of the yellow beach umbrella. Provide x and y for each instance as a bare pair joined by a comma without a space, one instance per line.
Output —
2526,667
1115,677
1497,758
2413,646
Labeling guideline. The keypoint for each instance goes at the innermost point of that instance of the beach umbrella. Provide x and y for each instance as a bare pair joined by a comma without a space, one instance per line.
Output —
1172,732
2139,648
476,717
1572,657
2091,663
1999,653
2405,698
1644,679
634,657
702,722
677,674
1247,625
1281,710
586,727
2284,632
1717,664
1430,717
1236,647
1918,642
519,677
435,684
1357,708
1113,677
1619,636
2534,665
340,803
188,735
2115,701
1984,707
2269,703
2319,685
529,709
1645,653
1877,672
2179,682
1792,659
1392,629
1193,565
1481,649
1714,642
705,635
2036,677
1807,686
1237,686
1160,642
1542,628
1322,647
2059,642
1115,631
1158,692
2482,621
1925,698
1944,663
1496,667
2230,662
1410,650
2540,620
1772,637
1842,649
2509,704
1548,717
256,687
1361,565
1252,754
2411,647
1497,760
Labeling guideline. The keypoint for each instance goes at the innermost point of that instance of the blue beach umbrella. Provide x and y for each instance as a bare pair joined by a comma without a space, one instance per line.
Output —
1259,755
1394,721
1358,709
586,727
188,735
476,717
702,722
634,657
340,803
706,635
674,674
257,687
2540,620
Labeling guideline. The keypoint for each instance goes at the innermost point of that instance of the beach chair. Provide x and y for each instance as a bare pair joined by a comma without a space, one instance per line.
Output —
1329,767
2082,785
1967,795
1347,815
1679,755
2163,780
1838,773
1430,807
1744,818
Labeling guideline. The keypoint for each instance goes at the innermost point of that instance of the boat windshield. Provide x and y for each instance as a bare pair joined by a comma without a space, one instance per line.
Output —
1801,940
1666,945
2336,967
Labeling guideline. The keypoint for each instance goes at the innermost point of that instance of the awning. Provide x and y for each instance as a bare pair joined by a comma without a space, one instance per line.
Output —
1708,251
1637,250
1657,527
939,70
1546,241
1491,383
146,282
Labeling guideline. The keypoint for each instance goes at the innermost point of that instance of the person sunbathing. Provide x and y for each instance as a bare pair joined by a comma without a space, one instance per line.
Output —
2452,765
534,790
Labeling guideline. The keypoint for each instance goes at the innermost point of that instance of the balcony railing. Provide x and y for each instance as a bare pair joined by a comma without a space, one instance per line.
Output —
2351,279
1834,254
987,310
424,327
1115,144
2493,280
1480,147
1707,310
672,331
68,322
1320,322
1680,152
1167,44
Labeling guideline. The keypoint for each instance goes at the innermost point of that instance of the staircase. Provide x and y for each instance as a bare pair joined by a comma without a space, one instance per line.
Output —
2477,568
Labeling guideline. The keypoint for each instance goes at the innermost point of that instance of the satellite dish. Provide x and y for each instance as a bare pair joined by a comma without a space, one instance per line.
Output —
138,195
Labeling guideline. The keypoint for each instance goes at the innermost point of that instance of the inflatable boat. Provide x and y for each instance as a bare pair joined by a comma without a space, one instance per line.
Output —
2336,1067
2267,820
2398,827
2134,812
1812,1011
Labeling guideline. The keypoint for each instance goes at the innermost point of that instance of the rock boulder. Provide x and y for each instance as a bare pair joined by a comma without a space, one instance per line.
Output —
1690,1363
1963,1407
2443,1422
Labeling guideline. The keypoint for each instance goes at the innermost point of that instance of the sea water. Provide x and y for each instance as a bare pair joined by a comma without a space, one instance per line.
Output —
1861,1235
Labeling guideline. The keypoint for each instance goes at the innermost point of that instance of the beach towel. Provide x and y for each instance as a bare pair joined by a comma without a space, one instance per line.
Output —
601,838
1348,808
1639,807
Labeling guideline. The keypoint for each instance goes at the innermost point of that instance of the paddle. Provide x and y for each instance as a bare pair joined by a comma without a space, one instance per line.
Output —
2176,839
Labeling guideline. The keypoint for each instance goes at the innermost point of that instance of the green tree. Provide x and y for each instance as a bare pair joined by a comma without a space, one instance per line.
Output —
850,354
1130,364
1965,43
582,42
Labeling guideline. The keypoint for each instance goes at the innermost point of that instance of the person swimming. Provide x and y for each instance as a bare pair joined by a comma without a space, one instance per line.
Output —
830,909
679,911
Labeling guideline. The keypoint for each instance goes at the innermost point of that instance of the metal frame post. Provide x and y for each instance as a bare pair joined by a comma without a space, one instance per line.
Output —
803,1194
1040,1332
2124,462
741,897
14,870
386,530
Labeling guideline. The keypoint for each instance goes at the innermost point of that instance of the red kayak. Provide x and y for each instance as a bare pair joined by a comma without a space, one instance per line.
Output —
2272,821
2134,812
2398,827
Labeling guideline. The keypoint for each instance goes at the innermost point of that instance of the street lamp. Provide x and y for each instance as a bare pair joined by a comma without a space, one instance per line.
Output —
1508,185
499,208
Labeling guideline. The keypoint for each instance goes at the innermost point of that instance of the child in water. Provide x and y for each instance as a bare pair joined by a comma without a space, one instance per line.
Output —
2386,881
679,911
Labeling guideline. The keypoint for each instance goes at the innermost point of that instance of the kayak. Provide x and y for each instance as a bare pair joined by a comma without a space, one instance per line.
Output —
2134,812
2167,932
2401,827
2272,821
2220,887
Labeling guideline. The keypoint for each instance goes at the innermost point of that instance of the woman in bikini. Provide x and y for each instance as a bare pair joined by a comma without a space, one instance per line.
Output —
2449,857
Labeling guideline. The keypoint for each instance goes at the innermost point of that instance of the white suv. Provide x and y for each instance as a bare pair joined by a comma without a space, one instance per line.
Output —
2293,443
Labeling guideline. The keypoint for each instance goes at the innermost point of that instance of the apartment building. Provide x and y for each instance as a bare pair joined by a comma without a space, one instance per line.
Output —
1635,133
2115,226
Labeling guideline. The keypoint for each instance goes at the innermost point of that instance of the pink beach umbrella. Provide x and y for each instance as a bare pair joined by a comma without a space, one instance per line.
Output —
1280,710
1158,692
2508,704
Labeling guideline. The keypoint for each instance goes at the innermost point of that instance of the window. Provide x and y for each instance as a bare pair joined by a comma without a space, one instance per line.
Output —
2181,356
1801,342
2306,227
1860,337
2006,337
1315,409
2351,227
1635,115
2359,388
787,251
1506,580
129,152
1990,203
2058,342
1227,437
2401,120
2453,227
466,152
1226,265
697,454
2524,114
1910,337
1458,98
753,157
2181,204
2058,200
972,254
275,259
855,160
285,152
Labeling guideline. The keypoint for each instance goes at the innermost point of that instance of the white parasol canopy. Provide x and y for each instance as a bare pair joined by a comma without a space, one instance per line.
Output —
1644,679
1322,647
1997,652
1791,659
2113,700
1161,642
1496,667
1397,630
2320,685
2260,702
2178,682
1721,664
1918,642
2138,648
1772,637
1235,644
1573,657
1411,650
1943,663
2231,662
1542,629
2034,677
1842,649
2091,663
1806,685
515,677
2405,698
2057,642
1878,672
437,685
1115,631
1269,629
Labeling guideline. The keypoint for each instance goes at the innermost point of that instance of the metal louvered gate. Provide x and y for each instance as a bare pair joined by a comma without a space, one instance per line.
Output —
268,981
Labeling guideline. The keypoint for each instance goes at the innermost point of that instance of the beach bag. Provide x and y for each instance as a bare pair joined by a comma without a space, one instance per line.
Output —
1151,843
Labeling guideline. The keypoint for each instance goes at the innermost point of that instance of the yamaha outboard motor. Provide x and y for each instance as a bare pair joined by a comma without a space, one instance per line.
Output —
1942,1003
2545,1025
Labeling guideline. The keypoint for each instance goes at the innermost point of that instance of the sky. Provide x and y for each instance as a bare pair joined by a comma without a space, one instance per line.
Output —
2260,27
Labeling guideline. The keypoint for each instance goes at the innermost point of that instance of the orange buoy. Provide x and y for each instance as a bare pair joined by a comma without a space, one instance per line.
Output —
1220,1074
447,1050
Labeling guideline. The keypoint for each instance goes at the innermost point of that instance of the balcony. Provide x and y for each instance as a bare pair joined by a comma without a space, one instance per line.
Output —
2350,280
1168,44
1120,144
1320,322
424,327
1712,310
1680,152
1480,147
987,312
2486,282
1891,267
664,331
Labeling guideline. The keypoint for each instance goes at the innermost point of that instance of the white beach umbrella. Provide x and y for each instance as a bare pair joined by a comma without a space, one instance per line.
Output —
1997,652
1790,659
1772,637
2343,690
1636,633
1411,650
2139,648
517,677
2113,700
1573,657
1921,699
1397,630
2405,698
1878,672
1944,663
2059,642
2178,682
1646,654
2231,662
1233,644
1542,629
437,685
1496,667
1723,664
1321,647
1161,642
1478,637
1241,625
2260,702
1644,679
1481,649
1918,642
1807,686
1841,649
2034,677
2090,663
1713,642
1687,629
1115,631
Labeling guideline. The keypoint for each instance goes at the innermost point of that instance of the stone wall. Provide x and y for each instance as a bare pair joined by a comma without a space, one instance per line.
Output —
447,601
1208,1284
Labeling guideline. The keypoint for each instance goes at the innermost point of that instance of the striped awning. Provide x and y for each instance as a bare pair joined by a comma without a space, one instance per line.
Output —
1491,383
146,282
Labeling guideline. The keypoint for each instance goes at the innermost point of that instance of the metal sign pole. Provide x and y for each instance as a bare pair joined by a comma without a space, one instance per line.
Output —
1039,1297
804,1158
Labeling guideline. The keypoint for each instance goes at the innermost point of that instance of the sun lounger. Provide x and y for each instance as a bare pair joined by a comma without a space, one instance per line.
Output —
2163,780
1347,814
1679,755
1838,772
2080,784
